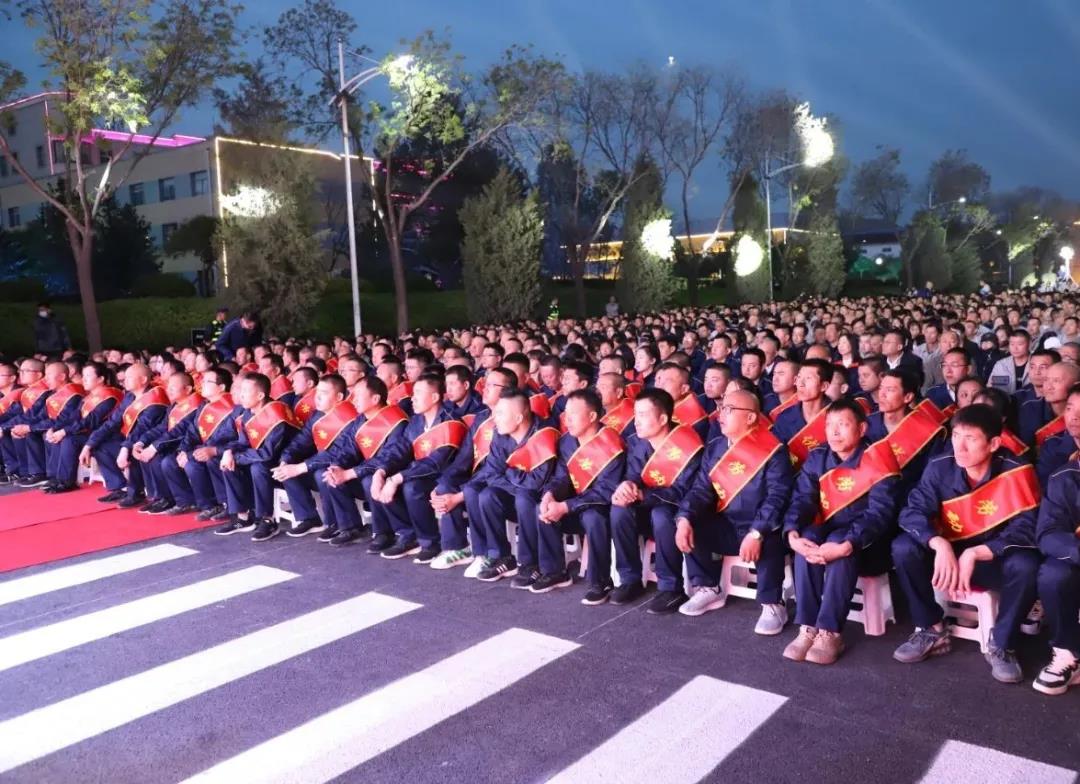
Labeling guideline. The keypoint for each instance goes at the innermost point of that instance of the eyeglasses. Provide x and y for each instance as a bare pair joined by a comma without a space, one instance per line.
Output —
496,386
726,409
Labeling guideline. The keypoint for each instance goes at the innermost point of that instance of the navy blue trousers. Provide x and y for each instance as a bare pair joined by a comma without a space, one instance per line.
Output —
1059,589
658,523
715,537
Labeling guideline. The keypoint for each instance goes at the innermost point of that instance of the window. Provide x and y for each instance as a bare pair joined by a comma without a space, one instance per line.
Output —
13,218
3,166
58,151
39,154
84,155
166,189
167,230
12,128
200,183
136,195
104,154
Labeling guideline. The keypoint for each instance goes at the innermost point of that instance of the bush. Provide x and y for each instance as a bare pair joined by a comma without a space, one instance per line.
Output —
23,290
168,285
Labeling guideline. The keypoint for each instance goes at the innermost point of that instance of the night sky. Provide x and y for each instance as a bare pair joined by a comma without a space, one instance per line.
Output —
997,77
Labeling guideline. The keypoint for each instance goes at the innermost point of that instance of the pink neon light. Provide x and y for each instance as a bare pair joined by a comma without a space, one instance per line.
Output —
176,140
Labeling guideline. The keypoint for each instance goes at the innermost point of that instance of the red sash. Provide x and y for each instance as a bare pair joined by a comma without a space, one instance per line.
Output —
332,365
280,387
250,367
843,486
468,419
810,437
58,399
999,500
741,463
374,432
482,441
449,433
539,404
8,400
865,405
783,407
196,380
266,421
329,427
478,385
305,407
949,410
1012,442
211,417
1051,428
155,396
592,457
29,395
632,390
915,431
399,393
537,450
553,398
674,454
99,396
619,416
688,411
182,409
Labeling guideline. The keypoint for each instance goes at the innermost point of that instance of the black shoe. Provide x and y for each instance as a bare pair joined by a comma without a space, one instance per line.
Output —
345,537
328,533
131,503
427,554
665,602
547,583
506,566
162,507
7,479
264,530
57,489
525,577
208,514
235,526
401,550
37,480
179,509
380,543
627,592
113,496
596,595
150,506
221,515
305,527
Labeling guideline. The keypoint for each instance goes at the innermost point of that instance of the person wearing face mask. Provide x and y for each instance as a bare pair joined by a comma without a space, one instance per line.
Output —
50,334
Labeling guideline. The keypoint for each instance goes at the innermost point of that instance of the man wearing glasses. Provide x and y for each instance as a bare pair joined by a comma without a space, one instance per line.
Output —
29,452
955,367
9,406
207,435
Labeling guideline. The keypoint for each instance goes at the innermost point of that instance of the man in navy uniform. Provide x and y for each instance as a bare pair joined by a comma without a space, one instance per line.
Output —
689,408
955,367
802,426
618,409
736,508
10,391
61,413
1058,535
30,452
1041,417
1058,449
206,438
590,467
970,522
843,506
660,470
158,446
461,399
915,433
67,441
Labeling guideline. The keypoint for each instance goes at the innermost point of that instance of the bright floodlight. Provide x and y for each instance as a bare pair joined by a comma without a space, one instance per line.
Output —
401,62
962,200
1066,253
879,261
251,202
656,238
816,141
749,256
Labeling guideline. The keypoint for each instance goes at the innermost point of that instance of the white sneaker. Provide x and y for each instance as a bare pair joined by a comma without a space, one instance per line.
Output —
773,619
476,567
706,598
1062,672
448,559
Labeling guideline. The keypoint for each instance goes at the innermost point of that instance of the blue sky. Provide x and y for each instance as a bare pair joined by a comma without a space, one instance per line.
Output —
997,77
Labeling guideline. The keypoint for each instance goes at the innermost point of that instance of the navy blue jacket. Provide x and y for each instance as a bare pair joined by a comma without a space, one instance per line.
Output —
165,439
913,471
94,419
598,493
222,437
302,449
431,465
791,422
234,336
1033,415
1053,454
1059,515
638,455
494,472
269,451
345,452
110,428
460,469
940,396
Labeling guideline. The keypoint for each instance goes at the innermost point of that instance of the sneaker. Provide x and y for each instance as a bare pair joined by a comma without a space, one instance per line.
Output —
448,559
499,568
130,502
427,554
60,488
773,619
627,592
149,505
161,507
7,479
923,644
345,536
1062,672
36,480
706,598
826,649
180,509
235,526
1003,664
596,595
380,543
264,530
328,533
547,583
113,496
666,602
401,550
796,649
525,577
208,514
221,514
478,565
1033,623
305,527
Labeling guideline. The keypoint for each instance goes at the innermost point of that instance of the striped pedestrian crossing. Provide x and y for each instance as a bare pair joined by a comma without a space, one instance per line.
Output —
959,762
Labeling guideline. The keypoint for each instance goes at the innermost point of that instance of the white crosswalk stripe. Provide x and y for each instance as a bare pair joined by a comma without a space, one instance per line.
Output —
664,744
964,763
47,640
338,741
45,730
88,571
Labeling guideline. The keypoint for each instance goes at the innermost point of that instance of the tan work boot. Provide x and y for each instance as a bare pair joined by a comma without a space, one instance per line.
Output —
797,648
826,649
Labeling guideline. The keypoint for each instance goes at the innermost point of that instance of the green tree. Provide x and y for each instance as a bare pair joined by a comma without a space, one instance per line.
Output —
123,249
878,187
966,270
646,282
260,107
501,251
131,64
196,237
748,217
925,253
275,255
825,251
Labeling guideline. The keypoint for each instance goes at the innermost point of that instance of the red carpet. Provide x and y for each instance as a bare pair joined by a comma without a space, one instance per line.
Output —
58,539
18,510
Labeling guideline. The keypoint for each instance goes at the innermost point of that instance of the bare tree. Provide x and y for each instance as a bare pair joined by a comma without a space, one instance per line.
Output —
878,187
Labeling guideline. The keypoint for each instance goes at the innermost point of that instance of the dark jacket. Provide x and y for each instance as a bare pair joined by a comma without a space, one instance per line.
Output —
50,335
